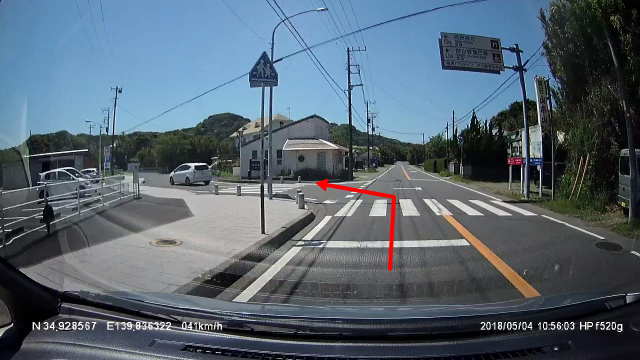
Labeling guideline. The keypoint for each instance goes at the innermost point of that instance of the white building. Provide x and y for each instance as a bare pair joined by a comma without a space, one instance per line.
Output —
251,131
302,144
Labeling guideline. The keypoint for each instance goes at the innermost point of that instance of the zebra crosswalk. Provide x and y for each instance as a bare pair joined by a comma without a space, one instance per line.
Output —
408,207
255,188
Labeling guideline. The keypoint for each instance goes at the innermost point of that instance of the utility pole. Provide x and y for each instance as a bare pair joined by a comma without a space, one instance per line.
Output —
90,126
118,90
553,143
105,125
447,139
349,88
520,69
634,212
366,103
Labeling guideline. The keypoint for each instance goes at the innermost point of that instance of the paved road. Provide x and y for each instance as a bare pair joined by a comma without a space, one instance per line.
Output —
454,245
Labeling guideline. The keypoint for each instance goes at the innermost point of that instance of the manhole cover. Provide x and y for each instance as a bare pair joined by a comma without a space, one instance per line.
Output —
608,246
166,242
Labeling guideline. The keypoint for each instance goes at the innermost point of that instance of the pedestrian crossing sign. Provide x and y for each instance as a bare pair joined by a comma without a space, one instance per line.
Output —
263,73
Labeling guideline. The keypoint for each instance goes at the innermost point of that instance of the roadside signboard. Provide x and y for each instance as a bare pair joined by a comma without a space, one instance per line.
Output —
542,100
514,161
535,161
535,141
471,53
263,73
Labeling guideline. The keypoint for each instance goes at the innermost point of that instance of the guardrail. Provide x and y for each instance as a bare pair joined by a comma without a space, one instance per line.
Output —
108,190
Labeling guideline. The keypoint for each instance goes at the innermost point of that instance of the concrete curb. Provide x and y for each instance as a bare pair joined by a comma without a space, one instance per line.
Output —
215,281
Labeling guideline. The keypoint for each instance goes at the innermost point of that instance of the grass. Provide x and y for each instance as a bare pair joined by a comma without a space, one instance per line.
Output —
461,179
444,173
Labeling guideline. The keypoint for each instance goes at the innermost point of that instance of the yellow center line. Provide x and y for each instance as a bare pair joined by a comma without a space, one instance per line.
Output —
405,172
516,280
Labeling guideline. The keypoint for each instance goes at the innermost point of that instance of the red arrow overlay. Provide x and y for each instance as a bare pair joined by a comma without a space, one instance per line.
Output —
324,184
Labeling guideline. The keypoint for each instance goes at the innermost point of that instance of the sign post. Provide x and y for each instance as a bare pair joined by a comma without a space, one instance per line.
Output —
262,74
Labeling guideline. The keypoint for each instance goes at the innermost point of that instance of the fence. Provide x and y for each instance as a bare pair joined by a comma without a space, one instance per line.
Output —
66,198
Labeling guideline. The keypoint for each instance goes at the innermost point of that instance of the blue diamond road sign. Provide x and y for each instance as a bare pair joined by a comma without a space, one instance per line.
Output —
263,73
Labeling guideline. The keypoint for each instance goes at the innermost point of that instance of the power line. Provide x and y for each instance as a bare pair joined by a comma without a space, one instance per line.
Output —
292,29
241,20
404,17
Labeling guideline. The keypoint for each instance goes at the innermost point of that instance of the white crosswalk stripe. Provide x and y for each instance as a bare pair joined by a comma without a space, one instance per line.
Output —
436,207
465,208
379,208
408,208
513,208
488,207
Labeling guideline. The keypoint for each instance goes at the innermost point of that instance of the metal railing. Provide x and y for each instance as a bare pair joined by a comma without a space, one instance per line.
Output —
108,190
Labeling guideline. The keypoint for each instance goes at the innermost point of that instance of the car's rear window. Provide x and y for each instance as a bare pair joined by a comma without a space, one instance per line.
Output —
202,167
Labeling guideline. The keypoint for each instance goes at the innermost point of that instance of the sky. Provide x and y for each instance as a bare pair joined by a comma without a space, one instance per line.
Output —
60,59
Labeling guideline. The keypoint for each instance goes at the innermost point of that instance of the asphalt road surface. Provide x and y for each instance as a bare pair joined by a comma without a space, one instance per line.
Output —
453,245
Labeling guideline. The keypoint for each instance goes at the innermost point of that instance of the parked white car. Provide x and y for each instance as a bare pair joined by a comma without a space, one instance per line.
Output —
65,181
190,173
91,173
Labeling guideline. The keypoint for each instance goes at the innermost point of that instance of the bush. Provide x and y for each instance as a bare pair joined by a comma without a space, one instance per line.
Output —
435,165
445,173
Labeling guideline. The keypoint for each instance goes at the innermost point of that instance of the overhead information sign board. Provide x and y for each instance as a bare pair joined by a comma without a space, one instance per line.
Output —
471,53
263,73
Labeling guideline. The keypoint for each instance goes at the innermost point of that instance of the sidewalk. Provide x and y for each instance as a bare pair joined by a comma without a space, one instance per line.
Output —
156,244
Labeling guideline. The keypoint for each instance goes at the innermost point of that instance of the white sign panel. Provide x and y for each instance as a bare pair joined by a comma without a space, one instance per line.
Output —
107,158
471,53
535,141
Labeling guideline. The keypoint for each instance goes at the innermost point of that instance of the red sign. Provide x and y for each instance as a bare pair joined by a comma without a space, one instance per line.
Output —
514,161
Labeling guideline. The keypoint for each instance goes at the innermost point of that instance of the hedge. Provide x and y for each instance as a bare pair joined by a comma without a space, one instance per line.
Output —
435,165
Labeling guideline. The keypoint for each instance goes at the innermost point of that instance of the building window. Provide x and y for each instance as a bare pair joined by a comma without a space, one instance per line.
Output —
254,155
279,156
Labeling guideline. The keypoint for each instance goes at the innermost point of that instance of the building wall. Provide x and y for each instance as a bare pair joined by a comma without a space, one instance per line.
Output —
310,128
334,163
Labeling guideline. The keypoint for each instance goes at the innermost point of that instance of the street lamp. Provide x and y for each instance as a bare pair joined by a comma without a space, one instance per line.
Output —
240,132
270,154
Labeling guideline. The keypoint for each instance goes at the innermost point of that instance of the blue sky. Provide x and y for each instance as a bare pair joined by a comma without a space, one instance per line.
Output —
59,59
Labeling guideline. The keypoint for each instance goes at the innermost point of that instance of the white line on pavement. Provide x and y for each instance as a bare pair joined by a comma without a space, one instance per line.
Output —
379,208
436,207
385,244
343,211
329,201
488,207
349,196
635,253
260,282
465,208
408,208
464,187
514,208
354,207
573,227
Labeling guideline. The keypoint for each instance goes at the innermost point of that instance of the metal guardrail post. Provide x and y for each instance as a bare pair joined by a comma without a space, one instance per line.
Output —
298,192
78,195
281,179
238,190
299,178
102,191
215,189
300,200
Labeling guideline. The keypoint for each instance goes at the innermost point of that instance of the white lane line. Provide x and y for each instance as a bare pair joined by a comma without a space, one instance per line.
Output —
573,227
635,253
349,208
385,244
513,208
354,207
408,208
261,281
329,201
349,196
458,185
465,208
379,208
488,207
353,192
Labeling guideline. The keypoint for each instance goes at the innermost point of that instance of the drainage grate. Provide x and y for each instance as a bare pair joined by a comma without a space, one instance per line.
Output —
608,246
166,242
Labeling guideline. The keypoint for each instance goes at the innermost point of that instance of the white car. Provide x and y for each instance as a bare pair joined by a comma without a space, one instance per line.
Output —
190,173
91,173
65,181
